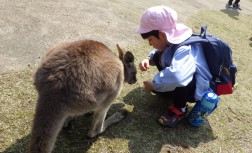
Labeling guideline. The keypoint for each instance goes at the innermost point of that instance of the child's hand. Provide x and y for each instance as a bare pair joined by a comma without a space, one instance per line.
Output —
144,65
148,85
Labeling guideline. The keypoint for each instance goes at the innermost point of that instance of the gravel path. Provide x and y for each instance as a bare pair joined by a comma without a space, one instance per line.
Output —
28,28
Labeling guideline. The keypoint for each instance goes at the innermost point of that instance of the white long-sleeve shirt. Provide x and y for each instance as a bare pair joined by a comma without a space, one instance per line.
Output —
178,71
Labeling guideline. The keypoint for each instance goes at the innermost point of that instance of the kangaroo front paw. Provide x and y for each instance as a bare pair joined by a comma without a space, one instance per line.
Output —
118,116
91,134
121,113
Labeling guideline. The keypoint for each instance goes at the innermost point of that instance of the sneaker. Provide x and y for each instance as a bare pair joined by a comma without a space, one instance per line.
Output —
228,5
172,117
236,6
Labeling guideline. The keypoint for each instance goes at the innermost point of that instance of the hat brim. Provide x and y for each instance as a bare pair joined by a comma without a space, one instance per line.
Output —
179,34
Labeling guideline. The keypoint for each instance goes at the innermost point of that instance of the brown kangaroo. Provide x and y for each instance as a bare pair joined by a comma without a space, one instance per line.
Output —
73,79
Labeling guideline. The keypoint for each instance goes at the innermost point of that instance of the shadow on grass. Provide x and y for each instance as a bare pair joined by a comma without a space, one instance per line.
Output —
70,140
147,110
140,129
232,12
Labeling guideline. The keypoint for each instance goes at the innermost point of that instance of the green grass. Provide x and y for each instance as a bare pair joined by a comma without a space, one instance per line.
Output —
228,129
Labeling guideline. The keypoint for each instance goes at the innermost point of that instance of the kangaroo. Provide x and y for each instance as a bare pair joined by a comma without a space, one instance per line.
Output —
75,78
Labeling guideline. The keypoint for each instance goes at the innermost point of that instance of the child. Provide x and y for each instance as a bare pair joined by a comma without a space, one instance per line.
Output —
185,75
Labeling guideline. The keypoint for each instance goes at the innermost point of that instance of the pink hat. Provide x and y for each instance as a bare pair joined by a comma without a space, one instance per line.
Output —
164,19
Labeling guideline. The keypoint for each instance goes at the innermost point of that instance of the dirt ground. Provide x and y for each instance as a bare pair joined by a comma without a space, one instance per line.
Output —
28,28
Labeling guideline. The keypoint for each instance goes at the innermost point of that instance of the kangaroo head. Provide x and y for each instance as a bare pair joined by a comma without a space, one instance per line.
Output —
129,65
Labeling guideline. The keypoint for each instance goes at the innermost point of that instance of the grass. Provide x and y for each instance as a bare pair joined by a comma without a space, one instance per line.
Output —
228,129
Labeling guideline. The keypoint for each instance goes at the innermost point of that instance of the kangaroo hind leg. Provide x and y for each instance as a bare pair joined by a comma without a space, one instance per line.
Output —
116,117
100,115
98,122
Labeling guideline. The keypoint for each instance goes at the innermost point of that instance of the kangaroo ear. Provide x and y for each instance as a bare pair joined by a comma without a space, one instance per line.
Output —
120,51
128,57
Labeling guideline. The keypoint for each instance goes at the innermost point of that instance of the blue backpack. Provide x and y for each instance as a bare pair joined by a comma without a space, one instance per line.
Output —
219,59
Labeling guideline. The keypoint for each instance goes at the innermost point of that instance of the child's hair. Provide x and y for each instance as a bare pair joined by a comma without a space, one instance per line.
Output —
154,33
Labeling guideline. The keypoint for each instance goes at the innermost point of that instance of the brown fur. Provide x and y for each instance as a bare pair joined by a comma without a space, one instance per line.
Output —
73,79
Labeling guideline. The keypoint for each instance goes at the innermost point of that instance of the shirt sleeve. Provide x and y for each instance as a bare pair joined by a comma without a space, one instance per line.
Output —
179,73
151,57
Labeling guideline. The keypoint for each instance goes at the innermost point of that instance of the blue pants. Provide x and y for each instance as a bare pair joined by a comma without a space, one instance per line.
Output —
231,1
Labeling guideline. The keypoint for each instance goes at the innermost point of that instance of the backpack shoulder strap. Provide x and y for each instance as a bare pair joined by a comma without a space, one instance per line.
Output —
195,38
192,40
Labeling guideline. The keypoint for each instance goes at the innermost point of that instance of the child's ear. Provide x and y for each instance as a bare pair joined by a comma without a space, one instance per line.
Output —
162,35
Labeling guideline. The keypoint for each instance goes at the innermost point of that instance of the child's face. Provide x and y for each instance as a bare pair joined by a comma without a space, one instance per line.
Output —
159,44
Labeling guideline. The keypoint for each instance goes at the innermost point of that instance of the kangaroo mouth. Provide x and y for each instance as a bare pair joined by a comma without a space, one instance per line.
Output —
132,81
